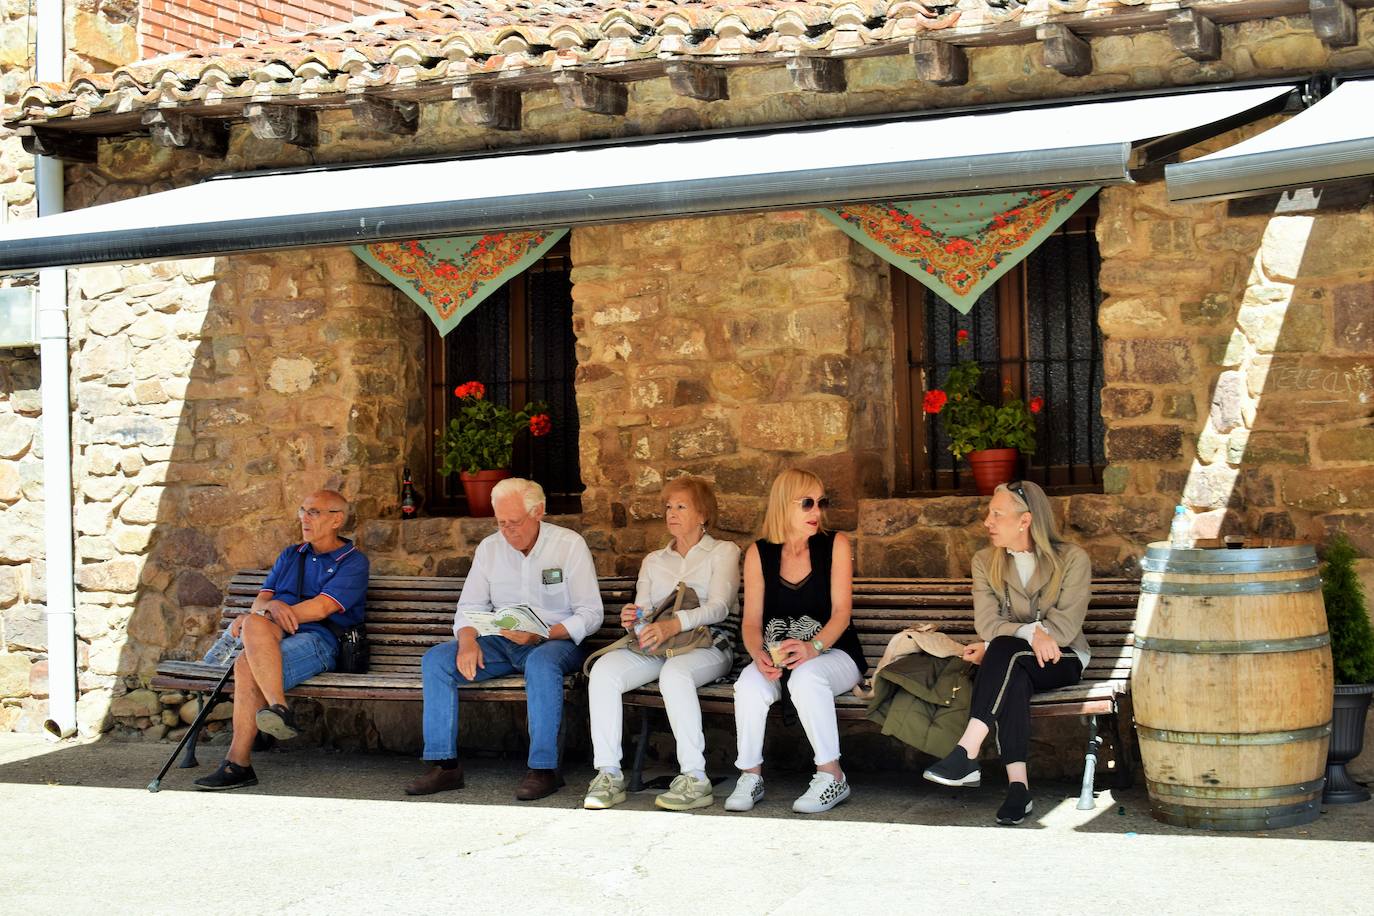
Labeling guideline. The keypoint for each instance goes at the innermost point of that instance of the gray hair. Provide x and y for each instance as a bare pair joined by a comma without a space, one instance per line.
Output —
530,493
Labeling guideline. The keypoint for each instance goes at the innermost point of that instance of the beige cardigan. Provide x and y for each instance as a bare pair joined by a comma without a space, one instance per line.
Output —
1061,615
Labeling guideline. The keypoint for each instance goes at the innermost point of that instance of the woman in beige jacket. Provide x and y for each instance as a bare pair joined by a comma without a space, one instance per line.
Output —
1030,594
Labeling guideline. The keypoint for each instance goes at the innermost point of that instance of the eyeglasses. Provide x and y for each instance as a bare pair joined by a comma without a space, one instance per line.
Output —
313,514
511,526
807,503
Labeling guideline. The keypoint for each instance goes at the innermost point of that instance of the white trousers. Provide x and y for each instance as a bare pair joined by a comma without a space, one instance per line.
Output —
678,680
813,686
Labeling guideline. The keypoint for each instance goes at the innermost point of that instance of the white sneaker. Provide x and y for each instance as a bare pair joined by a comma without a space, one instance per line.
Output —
606,791
748,793
824,793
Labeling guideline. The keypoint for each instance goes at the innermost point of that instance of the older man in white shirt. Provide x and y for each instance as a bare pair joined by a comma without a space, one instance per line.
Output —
530,562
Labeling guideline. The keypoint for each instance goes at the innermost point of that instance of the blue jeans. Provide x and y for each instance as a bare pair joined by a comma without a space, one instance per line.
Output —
305,654
544,666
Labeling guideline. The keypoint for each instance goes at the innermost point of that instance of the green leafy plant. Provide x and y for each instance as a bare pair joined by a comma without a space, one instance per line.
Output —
1347,617
972,423
481,436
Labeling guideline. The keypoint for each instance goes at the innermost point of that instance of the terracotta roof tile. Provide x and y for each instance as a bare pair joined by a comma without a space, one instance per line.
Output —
462,38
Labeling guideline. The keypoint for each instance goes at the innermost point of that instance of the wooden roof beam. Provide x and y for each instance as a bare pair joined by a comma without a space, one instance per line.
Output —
596,94
1195,35
817,74
1065,51
702,82
483,104
1334,22
292,124
385,115
939,62
59,144
172,129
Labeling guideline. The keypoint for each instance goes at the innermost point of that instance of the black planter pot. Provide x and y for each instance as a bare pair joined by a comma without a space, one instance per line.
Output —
1347,740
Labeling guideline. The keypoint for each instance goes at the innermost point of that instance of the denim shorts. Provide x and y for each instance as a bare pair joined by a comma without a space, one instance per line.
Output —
305,654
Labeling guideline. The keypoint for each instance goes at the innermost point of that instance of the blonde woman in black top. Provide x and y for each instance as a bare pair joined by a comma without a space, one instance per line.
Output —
1030,595
797,600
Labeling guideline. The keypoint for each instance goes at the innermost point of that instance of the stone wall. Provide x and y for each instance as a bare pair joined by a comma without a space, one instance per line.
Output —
210,396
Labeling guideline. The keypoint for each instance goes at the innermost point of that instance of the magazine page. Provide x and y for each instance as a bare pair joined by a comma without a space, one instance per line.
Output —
516,617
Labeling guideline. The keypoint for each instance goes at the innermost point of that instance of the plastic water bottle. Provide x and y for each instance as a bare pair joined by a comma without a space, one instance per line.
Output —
1180,530
640,622
222,653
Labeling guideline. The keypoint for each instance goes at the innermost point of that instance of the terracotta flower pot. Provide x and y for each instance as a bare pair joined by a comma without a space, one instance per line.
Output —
477,487
992,466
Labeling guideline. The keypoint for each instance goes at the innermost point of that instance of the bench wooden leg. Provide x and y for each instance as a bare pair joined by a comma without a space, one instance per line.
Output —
1085,794
1125,760
641,750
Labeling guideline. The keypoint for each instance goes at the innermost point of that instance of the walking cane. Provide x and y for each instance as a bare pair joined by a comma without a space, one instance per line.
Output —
194,731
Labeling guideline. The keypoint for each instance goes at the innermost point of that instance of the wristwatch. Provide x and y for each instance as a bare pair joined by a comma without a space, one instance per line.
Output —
818,645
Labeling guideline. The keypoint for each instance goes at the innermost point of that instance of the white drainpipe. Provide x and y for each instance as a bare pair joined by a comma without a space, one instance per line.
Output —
57,441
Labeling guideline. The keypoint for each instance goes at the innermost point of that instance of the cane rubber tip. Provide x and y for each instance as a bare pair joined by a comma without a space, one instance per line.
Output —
155,785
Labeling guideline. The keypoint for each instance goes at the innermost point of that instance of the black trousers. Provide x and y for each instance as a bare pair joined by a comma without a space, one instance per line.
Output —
1003,686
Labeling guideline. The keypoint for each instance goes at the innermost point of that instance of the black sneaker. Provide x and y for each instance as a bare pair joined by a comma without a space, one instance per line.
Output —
1016,807
229,776
955,770
278,722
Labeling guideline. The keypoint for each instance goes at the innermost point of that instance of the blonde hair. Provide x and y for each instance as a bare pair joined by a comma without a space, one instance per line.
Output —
530,493
699,494
788,487
1044,534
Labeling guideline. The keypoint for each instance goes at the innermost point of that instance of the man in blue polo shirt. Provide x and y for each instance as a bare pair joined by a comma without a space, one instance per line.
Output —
287,636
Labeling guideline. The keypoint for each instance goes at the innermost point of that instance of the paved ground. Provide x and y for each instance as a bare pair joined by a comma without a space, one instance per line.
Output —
328,832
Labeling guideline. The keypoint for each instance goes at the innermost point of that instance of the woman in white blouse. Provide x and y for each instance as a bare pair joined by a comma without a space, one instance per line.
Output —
711,568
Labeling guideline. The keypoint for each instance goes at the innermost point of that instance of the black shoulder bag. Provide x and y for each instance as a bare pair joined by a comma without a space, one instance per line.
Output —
353,652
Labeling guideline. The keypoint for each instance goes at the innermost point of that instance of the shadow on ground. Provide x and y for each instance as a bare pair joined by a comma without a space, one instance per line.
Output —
879,797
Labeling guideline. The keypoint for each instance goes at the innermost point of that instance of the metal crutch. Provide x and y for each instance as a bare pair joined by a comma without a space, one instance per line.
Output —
194,730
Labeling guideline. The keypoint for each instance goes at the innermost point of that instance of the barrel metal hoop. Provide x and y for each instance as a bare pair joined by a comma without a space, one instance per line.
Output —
1223,589
1225,739
1155,564
1238,818
1237,792
1233,647
1221,559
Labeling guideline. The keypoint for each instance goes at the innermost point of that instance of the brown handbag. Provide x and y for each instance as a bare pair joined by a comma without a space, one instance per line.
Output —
682,598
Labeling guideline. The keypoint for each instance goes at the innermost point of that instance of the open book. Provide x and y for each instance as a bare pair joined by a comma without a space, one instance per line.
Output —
515,617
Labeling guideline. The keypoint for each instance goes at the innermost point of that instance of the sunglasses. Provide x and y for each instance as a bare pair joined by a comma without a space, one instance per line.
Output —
807,503
1015,487
313,514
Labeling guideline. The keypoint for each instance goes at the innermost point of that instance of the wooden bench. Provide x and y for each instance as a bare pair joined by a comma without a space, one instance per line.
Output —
885,607
407,615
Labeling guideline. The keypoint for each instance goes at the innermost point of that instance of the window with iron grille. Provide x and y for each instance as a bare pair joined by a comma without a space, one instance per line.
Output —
1035,330
519,343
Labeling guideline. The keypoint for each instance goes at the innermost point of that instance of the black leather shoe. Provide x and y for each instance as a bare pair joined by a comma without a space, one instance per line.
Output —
229,776
278,722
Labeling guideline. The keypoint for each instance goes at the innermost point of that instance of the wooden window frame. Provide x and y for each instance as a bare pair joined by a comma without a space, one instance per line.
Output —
437,502
912,423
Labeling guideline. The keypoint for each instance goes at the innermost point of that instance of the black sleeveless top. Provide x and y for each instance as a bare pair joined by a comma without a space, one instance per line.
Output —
798,610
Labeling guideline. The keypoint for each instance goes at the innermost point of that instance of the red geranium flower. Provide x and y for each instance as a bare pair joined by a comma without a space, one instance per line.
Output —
1036,405
474,390
935,401
961,338
540,425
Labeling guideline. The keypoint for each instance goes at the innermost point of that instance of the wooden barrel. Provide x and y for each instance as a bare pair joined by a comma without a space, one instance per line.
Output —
1232,685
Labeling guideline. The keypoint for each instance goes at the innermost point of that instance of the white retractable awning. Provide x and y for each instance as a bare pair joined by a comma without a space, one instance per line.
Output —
1085,143
1331,141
